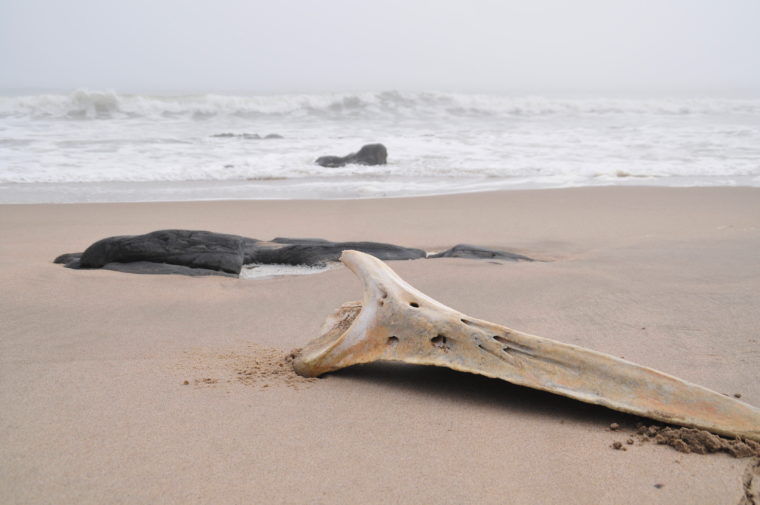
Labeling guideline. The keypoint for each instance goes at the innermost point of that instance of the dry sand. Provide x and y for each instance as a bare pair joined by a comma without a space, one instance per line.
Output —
94,408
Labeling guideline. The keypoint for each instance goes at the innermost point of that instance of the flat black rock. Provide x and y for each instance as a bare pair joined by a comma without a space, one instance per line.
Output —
69,260
370,154
195,249
315,252
192,252
477,252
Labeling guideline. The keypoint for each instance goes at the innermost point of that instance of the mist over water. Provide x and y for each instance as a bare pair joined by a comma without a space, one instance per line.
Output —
237,98
263,146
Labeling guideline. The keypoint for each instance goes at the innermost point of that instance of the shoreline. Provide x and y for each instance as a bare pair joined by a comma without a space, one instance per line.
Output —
331,188
94,406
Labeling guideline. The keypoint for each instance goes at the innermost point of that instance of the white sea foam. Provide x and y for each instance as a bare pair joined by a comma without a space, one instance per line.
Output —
85,104
261,271
438,143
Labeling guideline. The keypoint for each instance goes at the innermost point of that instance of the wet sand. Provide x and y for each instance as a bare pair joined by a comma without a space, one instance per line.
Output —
119,388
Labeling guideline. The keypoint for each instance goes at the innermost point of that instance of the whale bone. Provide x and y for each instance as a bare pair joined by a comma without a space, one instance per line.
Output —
396,322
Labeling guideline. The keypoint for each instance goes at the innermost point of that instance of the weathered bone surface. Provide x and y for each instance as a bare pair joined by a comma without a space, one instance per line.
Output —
396,322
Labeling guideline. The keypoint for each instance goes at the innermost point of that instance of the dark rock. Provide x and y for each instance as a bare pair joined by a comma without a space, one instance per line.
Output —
477,252
196,249
386,252
191,252
206,253
69,260
370,154
331,161
313,252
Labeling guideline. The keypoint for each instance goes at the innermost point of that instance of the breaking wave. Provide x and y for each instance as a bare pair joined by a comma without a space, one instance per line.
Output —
85,104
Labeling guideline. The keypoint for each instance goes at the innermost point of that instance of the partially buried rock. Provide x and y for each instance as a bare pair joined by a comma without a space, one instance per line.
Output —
195,249
370,154
477,252
317,252
190,252
69,260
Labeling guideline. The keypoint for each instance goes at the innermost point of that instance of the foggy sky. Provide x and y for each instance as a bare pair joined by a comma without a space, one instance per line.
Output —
343,45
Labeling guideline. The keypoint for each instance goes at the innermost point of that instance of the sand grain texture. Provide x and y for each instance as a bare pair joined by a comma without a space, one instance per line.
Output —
94,409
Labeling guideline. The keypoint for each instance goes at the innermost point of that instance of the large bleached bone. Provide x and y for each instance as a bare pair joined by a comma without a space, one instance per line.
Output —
396,322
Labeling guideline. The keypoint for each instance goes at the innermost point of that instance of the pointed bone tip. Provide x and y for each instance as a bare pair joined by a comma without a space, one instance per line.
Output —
348,255
362,264
345,255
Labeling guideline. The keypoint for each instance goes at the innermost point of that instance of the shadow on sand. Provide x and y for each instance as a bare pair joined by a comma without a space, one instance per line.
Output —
480,391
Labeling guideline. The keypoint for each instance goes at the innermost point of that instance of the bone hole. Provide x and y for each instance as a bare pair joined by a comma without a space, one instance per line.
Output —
393,340
439,341
414,304
500,339
465,321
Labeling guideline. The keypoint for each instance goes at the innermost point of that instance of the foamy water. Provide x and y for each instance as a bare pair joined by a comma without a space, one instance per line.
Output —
256,271
102,146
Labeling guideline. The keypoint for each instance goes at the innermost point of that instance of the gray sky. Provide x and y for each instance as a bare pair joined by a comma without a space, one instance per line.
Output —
340,45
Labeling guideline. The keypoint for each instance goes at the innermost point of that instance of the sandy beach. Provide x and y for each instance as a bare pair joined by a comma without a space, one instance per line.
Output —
94,408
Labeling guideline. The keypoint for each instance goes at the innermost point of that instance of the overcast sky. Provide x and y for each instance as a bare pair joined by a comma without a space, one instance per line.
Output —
710,46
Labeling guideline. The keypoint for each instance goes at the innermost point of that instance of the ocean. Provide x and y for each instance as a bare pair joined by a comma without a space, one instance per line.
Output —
102,146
